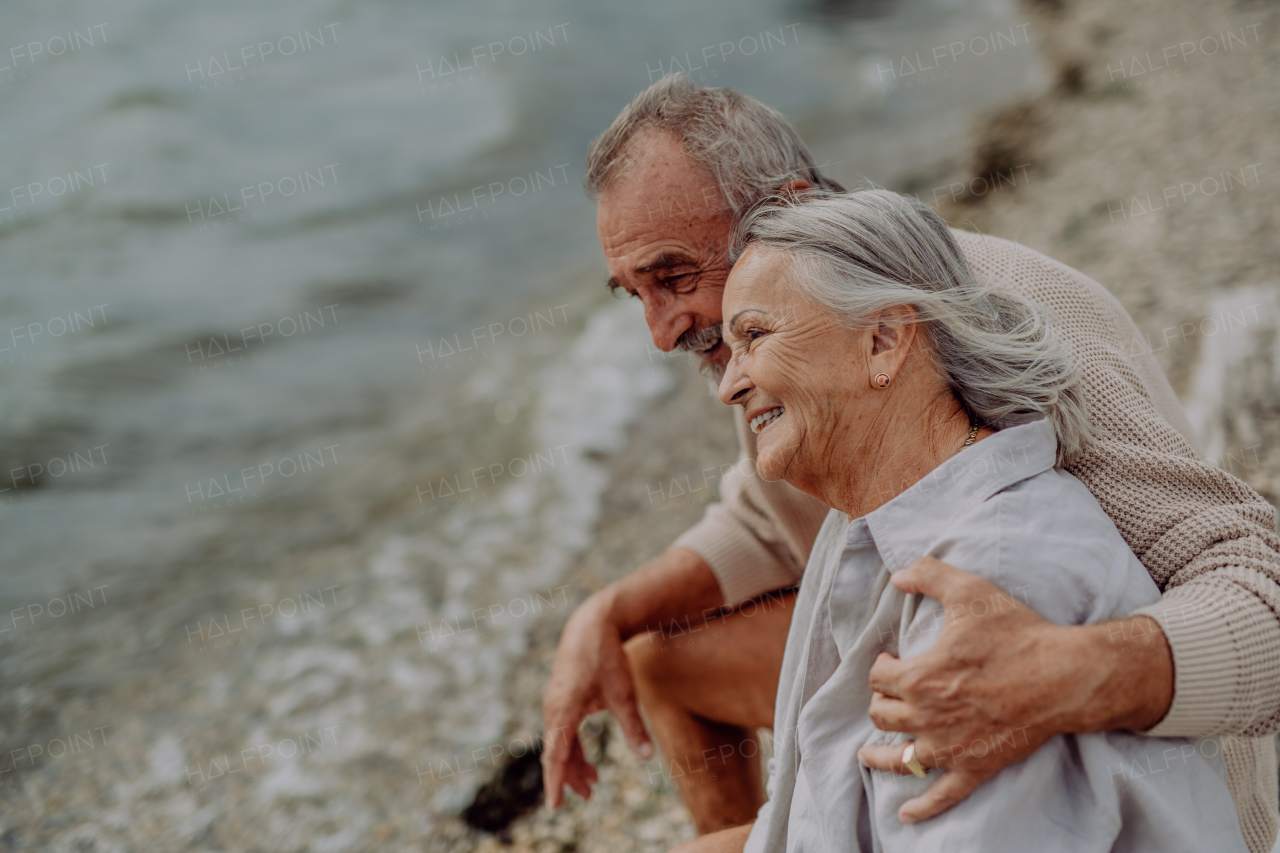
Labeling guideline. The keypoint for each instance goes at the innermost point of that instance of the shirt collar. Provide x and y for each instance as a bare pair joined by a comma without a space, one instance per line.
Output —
905,527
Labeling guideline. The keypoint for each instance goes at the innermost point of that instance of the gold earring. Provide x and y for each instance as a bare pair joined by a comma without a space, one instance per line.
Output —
881,381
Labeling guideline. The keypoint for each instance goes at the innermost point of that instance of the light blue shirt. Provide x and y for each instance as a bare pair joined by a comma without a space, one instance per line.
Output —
1001,510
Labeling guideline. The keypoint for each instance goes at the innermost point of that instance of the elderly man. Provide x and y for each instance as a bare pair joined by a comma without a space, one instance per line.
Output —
671,174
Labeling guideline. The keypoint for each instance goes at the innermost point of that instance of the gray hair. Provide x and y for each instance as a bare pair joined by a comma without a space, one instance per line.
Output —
748,148
855,255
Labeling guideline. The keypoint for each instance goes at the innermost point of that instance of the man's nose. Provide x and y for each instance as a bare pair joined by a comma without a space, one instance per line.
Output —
667,322
734,384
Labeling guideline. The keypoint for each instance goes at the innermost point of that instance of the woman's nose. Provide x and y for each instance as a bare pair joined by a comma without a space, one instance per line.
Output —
734,384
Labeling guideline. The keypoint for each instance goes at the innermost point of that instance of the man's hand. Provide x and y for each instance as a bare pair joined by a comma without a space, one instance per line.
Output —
1000,681
590,674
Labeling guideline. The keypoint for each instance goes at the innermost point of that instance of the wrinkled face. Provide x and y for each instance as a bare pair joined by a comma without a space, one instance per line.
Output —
799,377
665,229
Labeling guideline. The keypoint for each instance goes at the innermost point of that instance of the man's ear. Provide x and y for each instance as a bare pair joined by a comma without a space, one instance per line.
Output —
797,189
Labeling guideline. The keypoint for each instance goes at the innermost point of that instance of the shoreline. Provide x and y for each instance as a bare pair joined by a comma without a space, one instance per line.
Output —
633,807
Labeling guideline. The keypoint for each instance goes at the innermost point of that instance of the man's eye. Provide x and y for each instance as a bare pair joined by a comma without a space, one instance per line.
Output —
682,281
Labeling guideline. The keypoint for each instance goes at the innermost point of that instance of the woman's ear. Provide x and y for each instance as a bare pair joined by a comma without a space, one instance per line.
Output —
891,339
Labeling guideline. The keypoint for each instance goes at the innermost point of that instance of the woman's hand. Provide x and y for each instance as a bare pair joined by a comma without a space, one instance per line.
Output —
1000,681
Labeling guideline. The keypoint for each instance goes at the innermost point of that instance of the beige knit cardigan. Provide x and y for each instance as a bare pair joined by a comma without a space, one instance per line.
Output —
1207,539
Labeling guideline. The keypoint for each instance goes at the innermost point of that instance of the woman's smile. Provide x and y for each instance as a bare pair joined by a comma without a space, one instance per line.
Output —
762,418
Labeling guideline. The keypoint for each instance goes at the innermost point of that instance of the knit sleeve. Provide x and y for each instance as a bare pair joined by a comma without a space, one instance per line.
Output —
1208,540
757,538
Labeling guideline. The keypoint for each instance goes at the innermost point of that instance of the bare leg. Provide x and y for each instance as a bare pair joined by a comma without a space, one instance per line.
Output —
706,690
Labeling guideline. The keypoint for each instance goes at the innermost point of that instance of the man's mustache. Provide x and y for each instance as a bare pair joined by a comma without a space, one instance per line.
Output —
701,341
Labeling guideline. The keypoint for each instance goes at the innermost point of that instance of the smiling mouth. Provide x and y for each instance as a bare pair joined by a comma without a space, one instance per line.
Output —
762,420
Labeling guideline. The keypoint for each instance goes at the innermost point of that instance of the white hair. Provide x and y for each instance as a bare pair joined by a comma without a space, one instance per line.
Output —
857,254
749,149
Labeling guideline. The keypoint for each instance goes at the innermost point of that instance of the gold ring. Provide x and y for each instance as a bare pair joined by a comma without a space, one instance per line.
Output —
913,763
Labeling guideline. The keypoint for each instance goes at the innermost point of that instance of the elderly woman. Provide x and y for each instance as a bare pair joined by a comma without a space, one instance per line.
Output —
934,413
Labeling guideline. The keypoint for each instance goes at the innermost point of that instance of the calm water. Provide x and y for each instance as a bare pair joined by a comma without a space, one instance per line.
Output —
163,210
282,275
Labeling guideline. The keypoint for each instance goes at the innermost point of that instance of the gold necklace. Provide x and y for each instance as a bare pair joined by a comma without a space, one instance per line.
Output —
973,434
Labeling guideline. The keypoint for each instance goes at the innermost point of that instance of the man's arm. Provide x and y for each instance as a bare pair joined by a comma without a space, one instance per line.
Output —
1208,540
754,541
1208,667
1001,681
591,672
